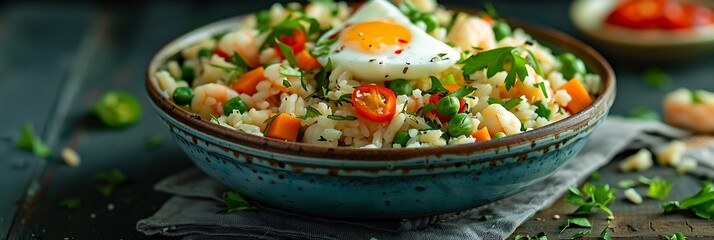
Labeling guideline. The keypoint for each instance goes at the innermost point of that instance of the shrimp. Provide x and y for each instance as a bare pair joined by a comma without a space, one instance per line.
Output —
497,119
469,32
691,110
244,43
209,99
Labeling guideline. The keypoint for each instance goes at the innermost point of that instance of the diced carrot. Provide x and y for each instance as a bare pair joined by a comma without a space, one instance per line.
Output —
481,135
579,96
306,61
246,83
487,17
452,87
284,127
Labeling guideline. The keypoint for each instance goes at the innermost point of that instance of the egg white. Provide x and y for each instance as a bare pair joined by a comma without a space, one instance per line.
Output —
423,56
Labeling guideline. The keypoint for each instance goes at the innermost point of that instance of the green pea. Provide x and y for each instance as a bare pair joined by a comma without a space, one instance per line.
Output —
183,95
571,66
402,138
234,104
118,109
205,53
499,135
401,87
187,73
430,21
448,106
460,124
501,30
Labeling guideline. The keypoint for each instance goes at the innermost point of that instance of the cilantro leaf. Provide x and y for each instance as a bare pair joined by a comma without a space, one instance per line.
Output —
543,110
436,86
511,103
627,183
657,78
28,140
671,206
677,236
644,114
591,196
287,51
110,180
340,118
497,60
322,48
425,109
71,203
604,234
463,91
322,78
236,203
579,222
311,112
286,83
580,234
263,20
540,236
659,188
541,85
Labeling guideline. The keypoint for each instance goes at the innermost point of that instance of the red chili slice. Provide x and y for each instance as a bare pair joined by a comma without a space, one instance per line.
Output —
374,102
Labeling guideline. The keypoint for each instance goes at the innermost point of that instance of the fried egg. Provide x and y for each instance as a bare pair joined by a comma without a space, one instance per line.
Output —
378,43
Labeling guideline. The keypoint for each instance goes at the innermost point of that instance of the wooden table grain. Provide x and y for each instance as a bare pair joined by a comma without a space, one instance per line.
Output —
56,59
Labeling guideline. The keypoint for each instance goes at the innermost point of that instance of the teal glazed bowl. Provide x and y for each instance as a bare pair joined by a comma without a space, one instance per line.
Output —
379,183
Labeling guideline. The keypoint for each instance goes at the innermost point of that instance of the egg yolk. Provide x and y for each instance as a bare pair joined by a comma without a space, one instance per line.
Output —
376,37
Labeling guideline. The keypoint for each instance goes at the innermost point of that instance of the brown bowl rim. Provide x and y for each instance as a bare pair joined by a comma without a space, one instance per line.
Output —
591,57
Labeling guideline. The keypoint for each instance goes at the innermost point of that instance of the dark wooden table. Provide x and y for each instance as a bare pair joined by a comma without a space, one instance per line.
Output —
56,59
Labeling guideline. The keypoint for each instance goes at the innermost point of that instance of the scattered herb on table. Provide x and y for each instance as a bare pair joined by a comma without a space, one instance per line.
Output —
110,181
659,188
591,196
236,203
28,140
702,204
626,183
578,221
677,236
118,109
71,203
657,78
540,236
154,141
644,113
580,234
604,234
595,176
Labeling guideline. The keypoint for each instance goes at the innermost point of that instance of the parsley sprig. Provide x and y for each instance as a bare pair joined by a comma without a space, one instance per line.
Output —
702,204
502,59
236,203
591,196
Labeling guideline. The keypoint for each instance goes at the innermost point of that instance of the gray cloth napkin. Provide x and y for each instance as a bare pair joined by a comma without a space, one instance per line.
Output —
197,209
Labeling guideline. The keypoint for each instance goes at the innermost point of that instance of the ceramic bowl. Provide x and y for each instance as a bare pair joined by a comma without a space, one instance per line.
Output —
378,183
589,16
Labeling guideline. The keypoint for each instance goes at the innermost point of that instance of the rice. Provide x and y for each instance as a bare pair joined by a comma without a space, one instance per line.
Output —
322,99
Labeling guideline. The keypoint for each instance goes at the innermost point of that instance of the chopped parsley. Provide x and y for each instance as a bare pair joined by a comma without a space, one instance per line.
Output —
287,51
657,78
71,203
497,60
578,221
701,203
29,141
541,85
436,86
511,103
627,183
543,110
236,203
677,236
463,91
425,109
322,48
311,112
341,118
644,113
286,83
659,188
110,181
591,196
154,141
540,236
